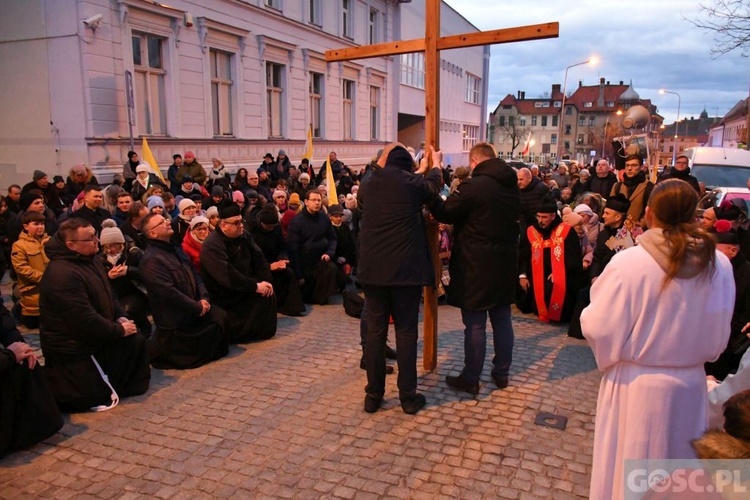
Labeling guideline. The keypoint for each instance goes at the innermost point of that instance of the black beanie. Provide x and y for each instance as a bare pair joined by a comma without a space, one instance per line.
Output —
618,203
400,158
269,215
230,210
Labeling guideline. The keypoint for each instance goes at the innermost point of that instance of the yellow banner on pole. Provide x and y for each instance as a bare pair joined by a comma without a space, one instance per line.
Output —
148,157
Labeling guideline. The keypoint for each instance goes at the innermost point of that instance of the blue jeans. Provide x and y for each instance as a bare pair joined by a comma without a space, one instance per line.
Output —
475,341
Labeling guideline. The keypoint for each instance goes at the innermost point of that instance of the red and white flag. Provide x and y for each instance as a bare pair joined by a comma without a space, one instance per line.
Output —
527,145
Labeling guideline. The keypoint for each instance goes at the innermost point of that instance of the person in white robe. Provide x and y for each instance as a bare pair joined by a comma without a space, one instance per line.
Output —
651,328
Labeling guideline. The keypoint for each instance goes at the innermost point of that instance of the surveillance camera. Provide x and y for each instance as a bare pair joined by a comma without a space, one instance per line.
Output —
188,20
93,22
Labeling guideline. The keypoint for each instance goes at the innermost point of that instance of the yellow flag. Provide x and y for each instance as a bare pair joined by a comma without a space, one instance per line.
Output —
148,157
308,146
333,199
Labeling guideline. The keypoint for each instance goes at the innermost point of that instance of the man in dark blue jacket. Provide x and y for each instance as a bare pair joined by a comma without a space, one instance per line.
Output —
311,244
484,211
394,265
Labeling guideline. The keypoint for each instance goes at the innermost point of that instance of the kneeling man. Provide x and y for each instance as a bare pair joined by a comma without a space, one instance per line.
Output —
189,332
93,353
238,278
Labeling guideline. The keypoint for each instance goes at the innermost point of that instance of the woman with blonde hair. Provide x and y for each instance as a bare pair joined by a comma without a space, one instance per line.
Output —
658,312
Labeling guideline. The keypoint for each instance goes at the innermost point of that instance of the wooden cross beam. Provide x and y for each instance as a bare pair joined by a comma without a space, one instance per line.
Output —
431,45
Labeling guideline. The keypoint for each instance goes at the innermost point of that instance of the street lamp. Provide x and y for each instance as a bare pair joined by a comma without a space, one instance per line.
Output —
606,124
592,61
679,101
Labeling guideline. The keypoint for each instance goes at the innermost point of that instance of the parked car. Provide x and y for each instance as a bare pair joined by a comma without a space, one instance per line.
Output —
517,164
720,167
717,196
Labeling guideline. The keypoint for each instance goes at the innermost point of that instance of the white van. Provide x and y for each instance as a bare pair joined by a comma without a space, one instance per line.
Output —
719,167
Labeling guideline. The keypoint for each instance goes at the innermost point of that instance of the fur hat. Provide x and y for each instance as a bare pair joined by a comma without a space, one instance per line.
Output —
618,203
304,176
198,219
350,202
185,203
38,174
154,201
110,233
143,167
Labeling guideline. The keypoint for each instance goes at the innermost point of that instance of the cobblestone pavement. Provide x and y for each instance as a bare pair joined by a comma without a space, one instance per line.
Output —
284,419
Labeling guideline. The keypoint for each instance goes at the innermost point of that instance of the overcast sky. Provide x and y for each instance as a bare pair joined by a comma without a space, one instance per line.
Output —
647,41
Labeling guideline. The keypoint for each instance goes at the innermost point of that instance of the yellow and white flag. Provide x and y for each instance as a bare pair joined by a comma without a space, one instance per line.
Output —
308,146
333,199
148,157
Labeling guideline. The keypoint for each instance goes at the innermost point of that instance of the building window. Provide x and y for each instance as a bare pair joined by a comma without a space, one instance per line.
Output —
275,89
522,121
471,132
567,129
567,145
554,120
314,8
580,138
346,18
274,4
533,120
221,92
374,113
610,104
373,27
412,70
150,89
568,110
348,109
544,121
553,139
472,88
592,120
581,121
558,104
588,104
501,121
511,121
316,103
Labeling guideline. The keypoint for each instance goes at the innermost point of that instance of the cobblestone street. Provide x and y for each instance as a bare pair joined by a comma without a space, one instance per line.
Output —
284,419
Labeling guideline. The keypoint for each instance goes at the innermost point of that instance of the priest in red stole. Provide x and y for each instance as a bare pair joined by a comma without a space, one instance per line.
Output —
550,264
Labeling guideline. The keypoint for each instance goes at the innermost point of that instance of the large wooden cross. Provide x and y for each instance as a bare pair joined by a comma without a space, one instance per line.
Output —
431,45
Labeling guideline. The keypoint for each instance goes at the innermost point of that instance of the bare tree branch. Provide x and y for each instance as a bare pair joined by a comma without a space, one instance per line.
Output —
729,21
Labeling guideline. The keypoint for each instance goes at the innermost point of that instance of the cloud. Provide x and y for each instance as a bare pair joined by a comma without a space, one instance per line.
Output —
649,42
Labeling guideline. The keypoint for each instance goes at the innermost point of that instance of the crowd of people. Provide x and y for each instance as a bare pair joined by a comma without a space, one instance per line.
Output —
211,258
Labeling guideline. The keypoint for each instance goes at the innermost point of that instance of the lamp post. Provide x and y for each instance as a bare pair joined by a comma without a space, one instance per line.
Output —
606,124
591,60
676,123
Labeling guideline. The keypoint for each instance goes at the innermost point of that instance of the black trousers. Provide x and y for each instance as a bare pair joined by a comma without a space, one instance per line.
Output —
288,294
320,283
401,302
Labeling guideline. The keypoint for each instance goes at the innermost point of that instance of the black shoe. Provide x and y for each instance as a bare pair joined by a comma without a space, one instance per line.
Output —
413,404
460,383
372,403
501,382
363,366
390,352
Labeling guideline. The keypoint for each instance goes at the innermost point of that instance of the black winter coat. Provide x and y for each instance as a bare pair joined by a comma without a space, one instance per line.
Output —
484,211
310,236
232,268
174,289
531,200
77,305
683,175
393,244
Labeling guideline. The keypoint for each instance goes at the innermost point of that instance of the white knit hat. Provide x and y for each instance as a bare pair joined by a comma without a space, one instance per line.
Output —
582,208
143,167
199,219
185,203
111,233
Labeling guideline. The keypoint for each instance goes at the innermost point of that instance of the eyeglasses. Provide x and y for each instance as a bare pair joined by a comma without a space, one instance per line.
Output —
89,240
236,223
163,222
681,163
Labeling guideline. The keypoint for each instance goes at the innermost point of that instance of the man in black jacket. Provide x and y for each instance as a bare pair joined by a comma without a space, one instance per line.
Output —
602,181
532,192
189,332
238,279
92,210
311,243
681,171
93,354
394,265
484,212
